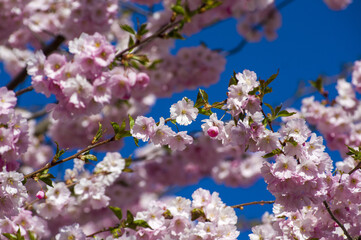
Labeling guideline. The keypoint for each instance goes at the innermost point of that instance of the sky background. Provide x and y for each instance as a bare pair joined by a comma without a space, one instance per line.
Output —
312,40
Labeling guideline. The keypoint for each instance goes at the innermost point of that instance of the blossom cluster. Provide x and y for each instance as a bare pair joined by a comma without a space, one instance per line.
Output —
339,121
83,84
91,88
14,138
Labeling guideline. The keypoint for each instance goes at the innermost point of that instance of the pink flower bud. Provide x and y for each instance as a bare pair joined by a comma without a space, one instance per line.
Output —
40,195
213,131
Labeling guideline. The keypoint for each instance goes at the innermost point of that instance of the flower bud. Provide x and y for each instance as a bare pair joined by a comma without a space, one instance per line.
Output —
40,194
213,131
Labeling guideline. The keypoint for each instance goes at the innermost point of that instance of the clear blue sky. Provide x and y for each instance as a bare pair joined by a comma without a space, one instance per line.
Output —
312,40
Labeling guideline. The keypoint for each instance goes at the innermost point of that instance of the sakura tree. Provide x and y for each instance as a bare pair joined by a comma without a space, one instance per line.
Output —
101,65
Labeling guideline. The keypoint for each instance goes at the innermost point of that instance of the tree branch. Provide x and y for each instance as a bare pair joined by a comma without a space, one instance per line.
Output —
52,164
337,221
240,206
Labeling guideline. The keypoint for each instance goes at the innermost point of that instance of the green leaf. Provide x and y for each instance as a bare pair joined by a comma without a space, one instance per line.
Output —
285,113
129,170
127,28
233,80
130,42
130,218
131,121
199,102
270,107
58,152
197,213
142,223
292,141
136,141
218,105
47,181
204,95
142,59
142,29
116,129
90,157
31,235
10,236
117,211
212,4
178,9
318,84
204,112
128,161
175,34
278,109
122,127
273,153
99,134
271,78
154,64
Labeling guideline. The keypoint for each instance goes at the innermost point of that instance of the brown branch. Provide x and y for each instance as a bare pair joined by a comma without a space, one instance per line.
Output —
54,45
240,206
24,90
337,221
101,231
52,164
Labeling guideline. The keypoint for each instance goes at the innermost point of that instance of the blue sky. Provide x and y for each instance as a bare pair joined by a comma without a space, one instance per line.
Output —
312,40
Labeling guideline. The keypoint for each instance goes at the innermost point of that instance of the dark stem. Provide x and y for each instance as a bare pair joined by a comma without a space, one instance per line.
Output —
240,206
52,164
24,90
337,221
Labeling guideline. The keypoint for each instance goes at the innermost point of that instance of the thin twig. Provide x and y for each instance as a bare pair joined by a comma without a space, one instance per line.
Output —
52,164
24,90
337,221
240,206
101,231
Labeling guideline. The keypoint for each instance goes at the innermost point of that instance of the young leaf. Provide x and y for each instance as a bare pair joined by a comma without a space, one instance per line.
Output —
317,84
204,112
285,113
99,134
178,9
130,218
271,78
130,41
127,28
90,157
142,29
270,107
142,223
116,128
136,141
131,121
117,211
58,152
